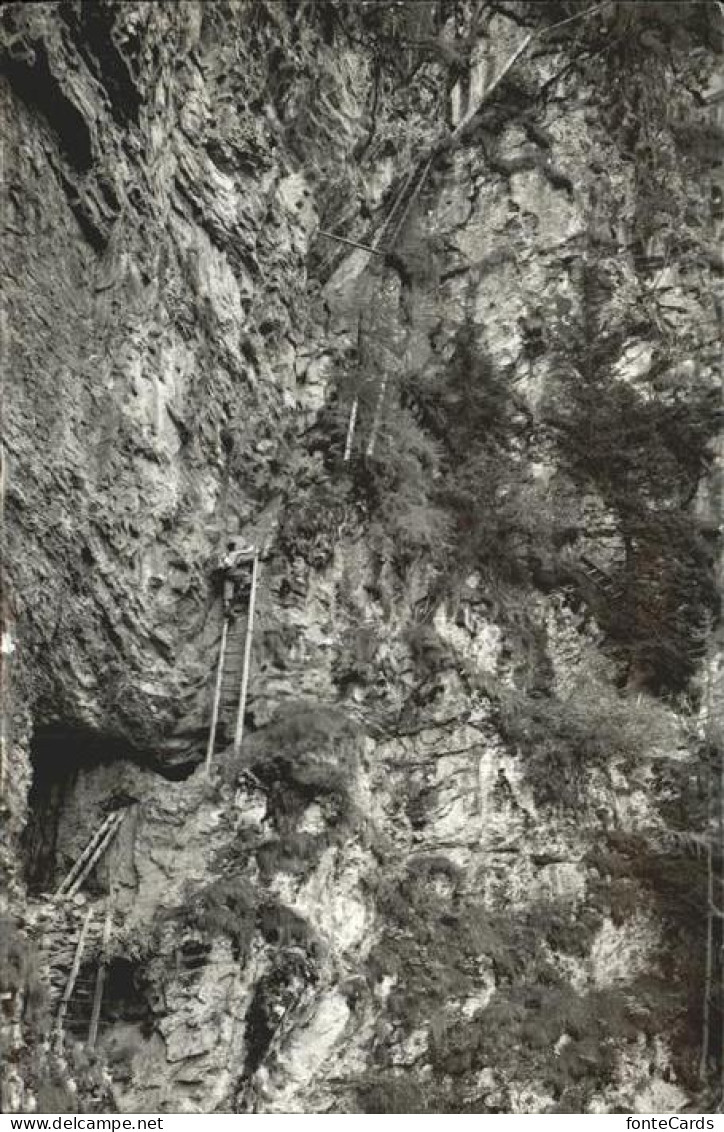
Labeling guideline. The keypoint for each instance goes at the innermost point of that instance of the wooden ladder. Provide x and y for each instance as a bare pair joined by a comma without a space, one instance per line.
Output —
600,579
246,665
72,977
82,993
90,856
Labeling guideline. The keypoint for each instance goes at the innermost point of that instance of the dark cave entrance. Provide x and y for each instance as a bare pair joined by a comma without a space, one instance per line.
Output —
80,776
127,994
60,757
126,997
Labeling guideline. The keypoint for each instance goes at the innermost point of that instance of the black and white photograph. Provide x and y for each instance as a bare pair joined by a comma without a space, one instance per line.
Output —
361,501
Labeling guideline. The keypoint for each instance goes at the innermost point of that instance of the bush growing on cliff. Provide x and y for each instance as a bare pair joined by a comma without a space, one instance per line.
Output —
499,513
227,906
633,868
525,1022
20,978
562,740
392,31
400,484
440,944
660,423
662,444
619,24
310,525
448,481
435,937
308,752
663,440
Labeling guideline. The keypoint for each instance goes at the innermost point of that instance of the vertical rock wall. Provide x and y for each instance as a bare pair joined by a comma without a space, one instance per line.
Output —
424,886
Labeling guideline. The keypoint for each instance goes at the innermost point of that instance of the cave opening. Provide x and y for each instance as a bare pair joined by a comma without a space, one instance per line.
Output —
126,995
60,757
125,998
79,778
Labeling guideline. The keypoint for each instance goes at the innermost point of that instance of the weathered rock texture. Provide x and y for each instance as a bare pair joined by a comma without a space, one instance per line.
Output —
438,878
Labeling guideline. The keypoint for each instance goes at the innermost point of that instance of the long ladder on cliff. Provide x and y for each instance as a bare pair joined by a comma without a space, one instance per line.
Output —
374,249
72,977
81,947
244,685
90,856
407,195
413,185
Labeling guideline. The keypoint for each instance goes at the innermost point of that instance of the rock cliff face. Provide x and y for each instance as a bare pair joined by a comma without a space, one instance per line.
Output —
448,870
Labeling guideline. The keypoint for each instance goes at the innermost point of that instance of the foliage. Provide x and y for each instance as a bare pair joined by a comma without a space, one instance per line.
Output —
308,752
435,937
503,519
227,906
293,852
282,926
676,881
429,652
387,28
448,482
466,403
274,993
399,482
356,661
622,24
562,740
437,942
529,1020
20,976
663,447
309,527
661,426
408,1092
632,868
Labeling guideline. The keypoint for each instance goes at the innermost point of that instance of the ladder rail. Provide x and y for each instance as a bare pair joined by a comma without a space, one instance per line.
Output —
100,979
381,391
350,430
397,204
424,170
243,691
